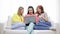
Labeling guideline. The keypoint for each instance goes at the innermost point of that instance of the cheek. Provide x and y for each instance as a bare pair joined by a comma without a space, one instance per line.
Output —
30,11
39,11
22,11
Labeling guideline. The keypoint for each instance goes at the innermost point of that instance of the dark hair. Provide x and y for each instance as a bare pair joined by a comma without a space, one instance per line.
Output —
32,9
40,7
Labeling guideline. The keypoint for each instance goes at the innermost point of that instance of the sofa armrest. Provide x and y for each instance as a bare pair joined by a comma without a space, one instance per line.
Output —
1,28
53,27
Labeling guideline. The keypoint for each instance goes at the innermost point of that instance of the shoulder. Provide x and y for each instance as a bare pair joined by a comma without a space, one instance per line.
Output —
27,15
15,15
44,13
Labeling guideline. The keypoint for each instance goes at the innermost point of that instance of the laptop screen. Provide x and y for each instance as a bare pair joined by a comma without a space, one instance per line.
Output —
29,19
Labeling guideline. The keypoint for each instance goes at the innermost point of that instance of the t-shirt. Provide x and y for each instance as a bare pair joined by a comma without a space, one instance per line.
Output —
44,15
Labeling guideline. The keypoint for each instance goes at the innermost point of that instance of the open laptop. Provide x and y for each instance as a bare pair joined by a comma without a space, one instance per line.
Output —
29,19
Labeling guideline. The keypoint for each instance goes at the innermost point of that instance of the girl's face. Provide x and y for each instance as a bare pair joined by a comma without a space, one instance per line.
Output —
39,10
30,11
21,11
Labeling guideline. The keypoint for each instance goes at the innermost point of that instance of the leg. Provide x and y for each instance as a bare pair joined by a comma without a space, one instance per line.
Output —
30,28
48,23
17,25
45,24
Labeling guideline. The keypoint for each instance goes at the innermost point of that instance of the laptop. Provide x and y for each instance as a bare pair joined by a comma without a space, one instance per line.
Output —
29,19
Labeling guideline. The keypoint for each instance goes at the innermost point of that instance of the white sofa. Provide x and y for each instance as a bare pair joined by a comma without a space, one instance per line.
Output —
7,29
25,32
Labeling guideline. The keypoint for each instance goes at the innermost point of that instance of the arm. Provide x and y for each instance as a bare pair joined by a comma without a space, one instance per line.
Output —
37,19
15,18
45,17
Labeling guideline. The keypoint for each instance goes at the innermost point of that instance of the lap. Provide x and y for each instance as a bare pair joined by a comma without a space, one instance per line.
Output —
44,23
17,25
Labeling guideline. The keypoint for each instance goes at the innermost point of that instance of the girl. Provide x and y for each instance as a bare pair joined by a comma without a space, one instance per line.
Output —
43,22
18,19
31,24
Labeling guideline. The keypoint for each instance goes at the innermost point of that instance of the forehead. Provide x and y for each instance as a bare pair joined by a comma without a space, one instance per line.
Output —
39,8
21,9
30,9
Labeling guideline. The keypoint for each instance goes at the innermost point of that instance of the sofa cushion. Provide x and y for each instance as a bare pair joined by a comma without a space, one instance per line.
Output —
25,32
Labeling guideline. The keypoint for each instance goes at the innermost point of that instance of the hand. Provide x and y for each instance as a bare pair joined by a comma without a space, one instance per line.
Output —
46,19
42,17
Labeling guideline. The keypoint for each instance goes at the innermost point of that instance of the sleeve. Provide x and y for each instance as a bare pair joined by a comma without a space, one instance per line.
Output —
45,15
23,19
15,18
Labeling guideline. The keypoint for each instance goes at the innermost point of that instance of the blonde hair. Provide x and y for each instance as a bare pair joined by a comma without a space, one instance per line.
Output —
20,8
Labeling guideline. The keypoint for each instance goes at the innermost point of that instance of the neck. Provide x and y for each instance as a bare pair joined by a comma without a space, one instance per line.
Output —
31,13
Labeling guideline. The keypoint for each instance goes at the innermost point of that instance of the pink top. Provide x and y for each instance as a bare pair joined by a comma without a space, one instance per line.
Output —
37,18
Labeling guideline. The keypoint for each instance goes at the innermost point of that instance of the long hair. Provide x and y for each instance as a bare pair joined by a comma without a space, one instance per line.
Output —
42,10
32,9
19,9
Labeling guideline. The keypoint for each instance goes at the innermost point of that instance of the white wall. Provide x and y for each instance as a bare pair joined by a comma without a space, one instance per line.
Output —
59,9
9,7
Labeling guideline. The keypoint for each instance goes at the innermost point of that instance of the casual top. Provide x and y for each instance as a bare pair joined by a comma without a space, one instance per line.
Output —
44,15
17,18
37,18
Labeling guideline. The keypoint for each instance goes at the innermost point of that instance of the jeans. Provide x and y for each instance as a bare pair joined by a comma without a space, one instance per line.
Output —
30,28
45,24
42,26
18,26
